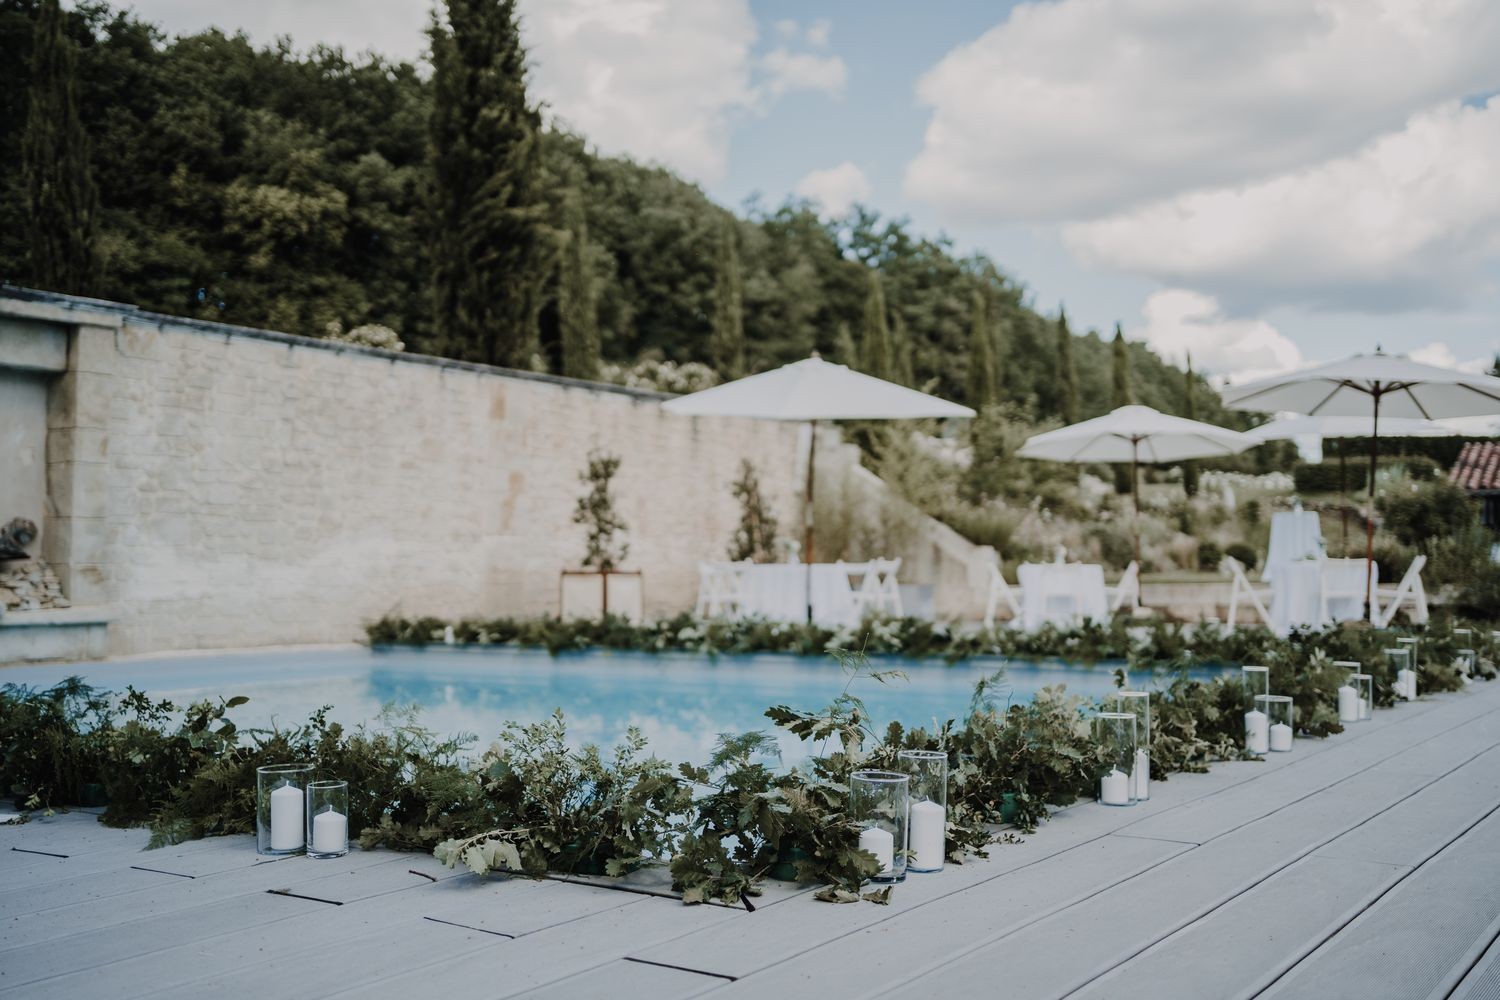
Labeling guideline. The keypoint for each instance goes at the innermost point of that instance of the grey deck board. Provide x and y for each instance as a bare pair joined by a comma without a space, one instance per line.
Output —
1294,873
630,979
1421,930
1482,982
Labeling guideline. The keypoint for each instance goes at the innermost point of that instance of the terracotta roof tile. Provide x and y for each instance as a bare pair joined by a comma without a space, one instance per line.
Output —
1478,466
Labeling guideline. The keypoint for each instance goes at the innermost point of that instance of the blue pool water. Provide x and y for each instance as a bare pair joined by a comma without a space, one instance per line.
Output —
680,701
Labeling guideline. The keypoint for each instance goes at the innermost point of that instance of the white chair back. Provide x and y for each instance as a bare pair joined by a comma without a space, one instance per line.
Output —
1127,593
720,589
878,591
1336,582
1242,587
1409,592
999,591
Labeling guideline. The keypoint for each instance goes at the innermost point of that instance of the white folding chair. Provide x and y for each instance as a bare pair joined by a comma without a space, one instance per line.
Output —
718,590
1242,586
1127,590
1334,585
1409,592
878,592
999,591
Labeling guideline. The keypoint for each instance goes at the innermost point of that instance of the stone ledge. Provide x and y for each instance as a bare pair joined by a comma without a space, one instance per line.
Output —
90,615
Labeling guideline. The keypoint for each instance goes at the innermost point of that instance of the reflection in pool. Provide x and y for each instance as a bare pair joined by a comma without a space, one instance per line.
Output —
680,701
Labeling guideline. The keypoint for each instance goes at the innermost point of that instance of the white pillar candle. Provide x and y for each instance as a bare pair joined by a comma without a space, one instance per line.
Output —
1281,737
927,832
1114,788
1406,684
881,844
1348,704
1256,731
330,832
1142,775
288,805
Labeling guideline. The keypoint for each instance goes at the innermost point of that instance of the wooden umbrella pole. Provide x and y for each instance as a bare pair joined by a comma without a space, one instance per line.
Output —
1135,499
807,518
1343,501
1370,514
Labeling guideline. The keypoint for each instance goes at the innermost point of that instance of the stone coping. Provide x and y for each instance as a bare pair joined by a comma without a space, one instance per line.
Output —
47,617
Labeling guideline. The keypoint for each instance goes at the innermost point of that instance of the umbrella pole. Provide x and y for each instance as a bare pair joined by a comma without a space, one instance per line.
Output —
1135,501
1370,515
807,519
1343,499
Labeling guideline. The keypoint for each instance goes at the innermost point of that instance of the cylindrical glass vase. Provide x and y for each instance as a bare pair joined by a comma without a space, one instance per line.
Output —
1115,734
1466,662
1138,703
1398,659
327,819
1363,686
1256,682
1278,711
927,815
281,808
878,805
1409,642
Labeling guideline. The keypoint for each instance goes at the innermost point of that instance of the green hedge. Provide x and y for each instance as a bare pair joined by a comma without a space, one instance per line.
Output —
1324,478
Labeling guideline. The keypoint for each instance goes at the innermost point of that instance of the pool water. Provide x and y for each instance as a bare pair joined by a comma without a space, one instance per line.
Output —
681,702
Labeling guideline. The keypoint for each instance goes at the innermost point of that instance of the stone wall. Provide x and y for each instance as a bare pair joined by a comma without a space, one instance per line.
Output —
218,487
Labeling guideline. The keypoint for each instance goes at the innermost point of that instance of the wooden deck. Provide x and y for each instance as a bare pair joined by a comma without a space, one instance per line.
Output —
1363,865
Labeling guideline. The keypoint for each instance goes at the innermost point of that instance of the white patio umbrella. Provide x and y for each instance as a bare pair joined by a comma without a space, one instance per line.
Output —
1374,386
1287,428
1135,434
811,390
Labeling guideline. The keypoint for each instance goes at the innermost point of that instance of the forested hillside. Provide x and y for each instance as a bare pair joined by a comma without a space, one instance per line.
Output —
268,187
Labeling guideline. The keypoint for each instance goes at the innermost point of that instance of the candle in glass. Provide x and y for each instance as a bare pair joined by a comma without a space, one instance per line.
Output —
1256,681
1116,735
1138,703
328,819
878,804
881,844
286,818
1278,711
927,822
280,808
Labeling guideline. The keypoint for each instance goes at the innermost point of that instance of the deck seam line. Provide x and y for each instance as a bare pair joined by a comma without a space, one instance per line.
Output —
1231,897
678,968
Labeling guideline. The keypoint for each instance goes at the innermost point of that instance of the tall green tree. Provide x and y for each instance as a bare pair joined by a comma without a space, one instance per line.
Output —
1119,395
982,382
491,248
904,361
578,314
876,351
1189,410
728,331
62,202
845,351
1067,375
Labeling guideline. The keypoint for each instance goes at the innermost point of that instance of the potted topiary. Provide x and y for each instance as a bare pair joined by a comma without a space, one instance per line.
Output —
601,589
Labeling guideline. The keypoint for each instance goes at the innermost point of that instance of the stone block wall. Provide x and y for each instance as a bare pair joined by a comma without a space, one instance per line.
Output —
218,487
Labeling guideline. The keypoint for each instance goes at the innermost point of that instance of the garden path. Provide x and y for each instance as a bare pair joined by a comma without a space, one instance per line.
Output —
1365,864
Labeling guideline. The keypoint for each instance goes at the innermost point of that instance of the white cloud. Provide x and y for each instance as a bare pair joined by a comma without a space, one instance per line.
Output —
1440,354
662,80
835,189
1412,219
1077,108
787,71
818,31
1179,322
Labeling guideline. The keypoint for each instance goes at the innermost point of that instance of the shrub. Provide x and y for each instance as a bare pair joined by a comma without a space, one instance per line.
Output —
1324,478
1437,509
1209,555
1243,553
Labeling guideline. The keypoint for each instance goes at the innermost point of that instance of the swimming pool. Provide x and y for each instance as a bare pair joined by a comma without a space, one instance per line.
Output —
680,701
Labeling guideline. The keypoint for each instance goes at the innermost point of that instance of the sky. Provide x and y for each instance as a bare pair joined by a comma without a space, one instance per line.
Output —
1261,185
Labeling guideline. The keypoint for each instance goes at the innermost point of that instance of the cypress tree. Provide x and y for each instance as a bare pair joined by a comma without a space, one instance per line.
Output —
1189,410
727,344
1120,396
844,345
491,250
1067,377
876,350
577,313
62,202
981,389
902,346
